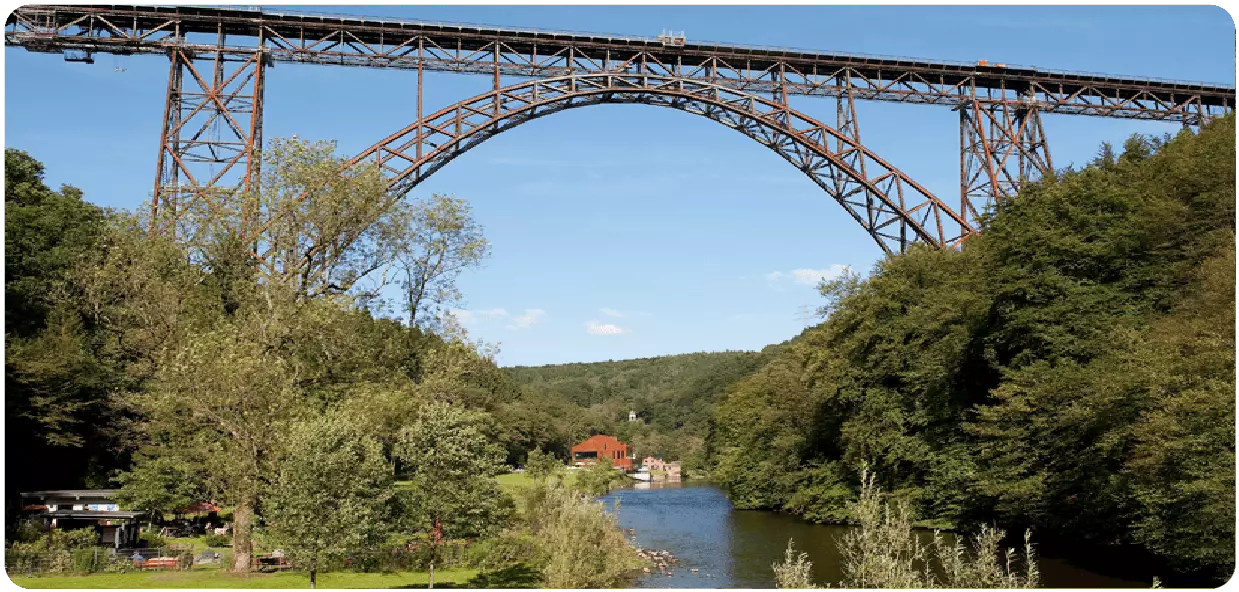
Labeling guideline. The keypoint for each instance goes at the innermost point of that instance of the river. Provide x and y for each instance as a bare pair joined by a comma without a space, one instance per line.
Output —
734,548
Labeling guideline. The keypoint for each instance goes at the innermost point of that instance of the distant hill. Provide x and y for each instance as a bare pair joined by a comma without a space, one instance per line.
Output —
674,397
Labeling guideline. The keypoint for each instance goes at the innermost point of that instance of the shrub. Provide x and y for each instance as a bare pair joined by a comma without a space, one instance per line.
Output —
796,571
217,540
152,540
883,551
578,543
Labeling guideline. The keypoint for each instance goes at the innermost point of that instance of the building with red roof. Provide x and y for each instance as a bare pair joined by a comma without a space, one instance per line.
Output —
599,447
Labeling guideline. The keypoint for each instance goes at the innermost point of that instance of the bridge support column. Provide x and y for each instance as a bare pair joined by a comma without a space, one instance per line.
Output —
1002,146
209,148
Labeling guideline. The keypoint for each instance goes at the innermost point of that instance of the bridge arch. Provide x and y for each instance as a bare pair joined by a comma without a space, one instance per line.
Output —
894,209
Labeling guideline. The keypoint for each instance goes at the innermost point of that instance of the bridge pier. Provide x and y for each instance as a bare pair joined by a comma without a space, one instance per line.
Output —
1002,146
211,138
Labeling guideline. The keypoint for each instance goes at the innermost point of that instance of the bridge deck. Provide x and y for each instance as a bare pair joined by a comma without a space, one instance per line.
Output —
350,40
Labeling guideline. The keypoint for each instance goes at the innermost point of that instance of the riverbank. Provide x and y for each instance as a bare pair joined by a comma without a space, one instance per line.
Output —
444,578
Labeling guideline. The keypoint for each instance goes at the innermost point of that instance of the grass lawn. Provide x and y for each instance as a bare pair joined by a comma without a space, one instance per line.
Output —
446,578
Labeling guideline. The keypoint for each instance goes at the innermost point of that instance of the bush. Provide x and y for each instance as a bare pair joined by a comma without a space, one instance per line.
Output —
152,540
217,540
578,543
884,552
508,549
796,571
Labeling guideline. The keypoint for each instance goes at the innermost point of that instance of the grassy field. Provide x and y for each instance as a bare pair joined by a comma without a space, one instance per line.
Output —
444,578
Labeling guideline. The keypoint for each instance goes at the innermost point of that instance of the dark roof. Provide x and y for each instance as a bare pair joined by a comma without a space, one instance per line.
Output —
72,494
94,514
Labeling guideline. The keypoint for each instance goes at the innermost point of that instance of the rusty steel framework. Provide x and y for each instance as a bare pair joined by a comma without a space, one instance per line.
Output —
213,119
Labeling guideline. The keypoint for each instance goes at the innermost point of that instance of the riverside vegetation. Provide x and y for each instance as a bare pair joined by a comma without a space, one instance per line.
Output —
1070,371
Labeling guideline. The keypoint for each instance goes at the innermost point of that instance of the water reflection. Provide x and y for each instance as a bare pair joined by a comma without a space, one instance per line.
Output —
735,549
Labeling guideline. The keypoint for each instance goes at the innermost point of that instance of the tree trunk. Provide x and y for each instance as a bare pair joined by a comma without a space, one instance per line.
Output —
242,543
431,584
313,578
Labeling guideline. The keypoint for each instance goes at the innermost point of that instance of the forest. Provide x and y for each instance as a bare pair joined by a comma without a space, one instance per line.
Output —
673,396
1070,370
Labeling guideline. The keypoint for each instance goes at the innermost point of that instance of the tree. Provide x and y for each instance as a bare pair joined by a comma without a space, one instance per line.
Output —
451,462
443,241
221,403
540,465
330,492
57,375
159,484
327,226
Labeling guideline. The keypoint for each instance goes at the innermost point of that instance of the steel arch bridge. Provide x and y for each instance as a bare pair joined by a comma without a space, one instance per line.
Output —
219,58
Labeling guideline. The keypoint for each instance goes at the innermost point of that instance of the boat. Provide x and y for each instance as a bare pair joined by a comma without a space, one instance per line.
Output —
642,476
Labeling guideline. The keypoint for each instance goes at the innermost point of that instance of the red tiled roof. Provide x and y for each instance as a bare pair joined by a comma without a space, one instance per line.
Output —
599,442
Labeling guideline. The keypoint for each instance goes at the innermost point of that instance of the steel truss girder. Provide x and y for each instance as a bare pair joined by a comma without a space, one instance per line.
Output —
894,209
1001,148
353,41
208,150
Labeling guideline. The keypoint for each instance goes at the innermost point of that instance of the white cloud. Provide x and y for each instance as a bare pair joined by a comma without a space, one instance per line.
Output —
806,277
812,277
595,328
531,317
525,320
470,317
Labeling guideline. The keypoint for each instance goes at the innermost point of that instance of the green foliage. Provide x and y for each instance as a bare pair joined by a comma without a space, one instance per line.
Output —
444,241
578,544
450,462
158,484
217,540
1070,369
57,376
540,465
152,539
597,479
673,396
330,492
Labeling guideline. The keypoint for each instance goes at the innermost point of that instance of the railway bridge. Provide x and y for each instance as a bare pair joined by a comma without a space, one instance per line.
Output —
219,60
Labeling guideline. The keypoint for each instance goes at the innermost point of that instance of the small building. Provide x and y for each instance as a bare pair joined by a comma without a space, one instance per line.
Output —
71,509
654,464
599,447
673,471
632,416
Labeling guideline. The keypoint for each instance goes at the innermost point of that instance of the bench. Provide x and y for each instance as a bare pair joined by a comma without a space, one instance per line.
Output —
157,563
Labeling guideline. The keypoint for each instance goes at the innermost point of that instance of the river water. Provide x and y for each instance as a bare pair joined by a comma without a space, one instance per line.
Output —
735,548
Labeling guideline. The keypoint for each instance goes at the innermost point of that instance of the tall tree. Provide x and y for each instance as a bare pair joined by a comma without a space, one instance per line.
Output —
221,403
329,227
444,240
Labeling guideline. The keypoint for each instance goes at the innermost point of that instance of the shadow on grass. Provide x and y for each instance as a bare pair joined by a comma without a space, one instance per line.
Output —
514,577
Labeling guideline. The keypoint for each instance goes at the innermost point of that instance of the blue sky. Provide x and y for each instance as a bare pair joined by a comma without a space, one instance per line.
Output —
628,231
